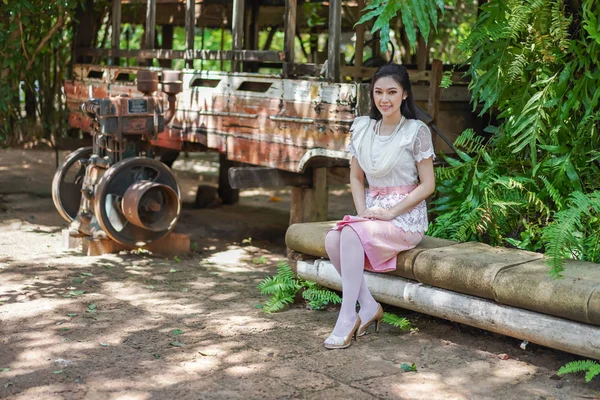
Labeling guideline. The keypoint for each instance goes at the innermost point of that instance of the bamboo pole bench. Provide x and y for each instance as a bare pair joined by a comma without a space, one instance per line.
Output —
502,290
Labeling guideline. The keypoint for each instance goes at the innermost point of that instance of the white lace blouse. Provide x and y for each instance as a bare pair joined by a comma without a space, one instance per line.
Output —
415,146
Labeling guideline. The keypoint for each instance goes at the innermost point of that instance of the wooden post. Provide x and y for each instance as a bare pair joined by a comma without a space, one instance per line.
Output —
116,29
335,31
297,205
289,31
190,29
360,43
150,29
167,43
310,204
321,195
225,192
237,31
422,54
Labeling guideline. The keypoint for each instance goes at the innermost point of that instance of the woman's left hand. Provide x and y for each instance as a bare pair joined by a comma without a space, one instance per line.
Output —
377,213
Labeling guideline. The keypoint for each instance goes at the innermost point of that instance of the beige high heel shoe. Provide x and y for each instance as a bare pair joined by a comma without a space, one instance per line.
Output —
343,342
376,319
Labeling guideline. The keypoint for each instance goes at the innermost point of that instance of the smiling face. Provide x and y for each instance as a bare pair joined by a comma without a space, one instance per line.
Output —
388,96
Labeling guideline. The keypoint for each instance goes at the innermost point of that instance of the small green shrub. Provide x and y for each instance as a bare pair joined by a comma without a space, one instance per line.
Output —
283,287
591,368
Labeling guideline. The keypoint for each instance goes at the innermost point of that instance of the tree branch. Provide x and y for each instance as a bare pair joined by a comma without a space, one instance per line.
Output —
23,41
59,23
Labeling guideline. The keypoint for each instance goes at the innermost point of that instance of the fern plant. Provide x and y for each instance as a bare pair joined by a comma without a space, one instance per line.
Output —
319,297
591,369
532,180
283,287
399,322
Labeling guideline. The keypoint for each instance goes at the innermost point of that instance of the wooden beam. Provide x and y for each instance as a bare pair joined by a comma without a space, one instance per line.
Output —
290,69
243,55
237,30
167,44
321,196
360,42
289,26
433,103
253,177
190,28
149,29
227,193
116,28
422,53
335,31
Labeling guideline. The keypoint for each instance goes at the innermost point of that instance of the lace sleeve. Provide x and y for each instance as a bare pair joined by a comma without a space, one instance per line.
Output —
423,144
359,124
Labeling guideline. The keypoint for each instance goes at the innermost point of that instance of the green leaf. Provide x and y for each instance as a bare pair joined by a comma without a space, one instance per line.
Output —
172,270
408,367
388,12
176,332
104,344
177,344
4,369
157,356
76,292
368,16
422,18
409,26
77,281
177,259
86,274
71,315
60,371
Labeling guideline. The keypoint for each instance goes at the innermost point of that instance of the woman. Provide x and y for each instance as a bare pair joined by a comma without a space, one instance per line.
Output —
395,152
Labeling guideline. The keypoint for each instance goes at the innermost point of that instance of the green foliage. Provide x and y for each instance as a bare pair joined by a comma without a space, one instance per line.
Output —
531,182
283,287
319,297
415,14
399,322
35,39
591,369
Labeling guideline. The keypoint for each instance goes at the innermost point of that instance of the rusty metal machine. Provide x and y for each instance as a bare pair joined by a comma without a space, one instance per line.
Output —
116,189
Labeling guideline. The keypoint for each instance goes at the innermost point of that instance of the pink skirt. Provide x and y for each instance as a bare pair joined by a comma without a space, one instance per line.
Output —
381,240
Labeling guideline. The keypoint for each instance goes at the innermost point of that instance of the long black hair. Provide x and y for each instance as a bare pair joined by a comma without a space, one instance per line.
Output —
400,75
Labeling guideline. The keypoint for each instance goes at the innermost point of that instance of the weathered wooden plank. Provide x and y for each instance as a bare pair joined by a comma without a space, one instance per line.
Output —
243,55
335,31
321,200
237,30
167,43
116,29
291,69
289,26
190,28
150,28
422,53
253,177
297,205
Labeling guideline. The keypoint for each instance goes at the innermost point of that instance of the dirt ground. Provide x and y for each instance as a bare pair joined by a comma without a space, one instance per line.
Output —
140,327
